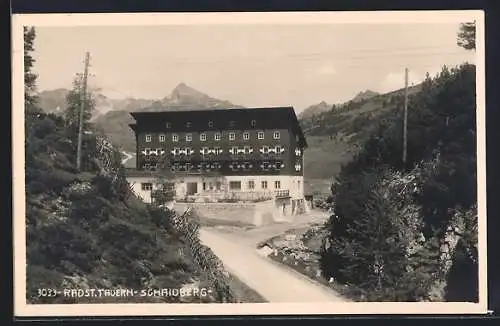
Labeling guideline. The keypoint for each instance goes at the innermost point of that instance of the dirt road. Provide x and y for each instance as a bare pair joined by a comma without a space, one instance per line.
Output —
274,282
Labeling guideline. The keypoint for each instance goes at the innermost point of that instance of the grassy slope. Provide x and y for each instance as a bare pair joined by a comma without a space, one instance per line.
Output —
104,240
333,136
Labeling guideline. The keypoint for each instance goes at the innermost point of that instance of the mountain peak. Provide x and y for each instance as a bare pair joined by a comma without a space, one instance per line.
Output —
181,86
183,91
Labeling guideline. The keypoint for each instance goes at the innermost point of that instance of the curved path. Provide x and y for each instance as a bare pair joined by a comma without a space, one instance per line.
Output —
275,282
127,157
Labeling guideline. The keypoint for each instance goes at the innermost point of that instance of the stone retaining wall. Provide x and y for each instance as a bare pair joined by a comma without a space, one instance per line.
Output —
258,214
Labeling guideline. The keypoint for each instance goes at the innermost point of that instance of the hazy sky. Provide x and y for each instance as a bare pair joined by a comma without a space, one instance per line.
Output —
247,65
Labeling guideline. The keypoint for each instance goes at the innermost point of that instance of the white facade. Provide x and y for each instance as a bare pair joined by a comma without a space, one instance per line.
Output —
246,187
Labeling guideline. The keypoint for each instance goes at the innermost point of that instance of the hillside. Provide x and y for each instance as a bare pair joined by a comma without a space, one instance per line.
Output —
364,95
408,230
115,123
53,101
334,135
87,230
315,109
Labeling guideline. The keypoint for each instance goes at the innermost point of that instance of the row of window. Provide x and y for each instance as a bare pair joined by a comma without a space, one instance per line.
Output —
236,185
211,124
148,186
278,150
217,136
215,151
186,167
233,185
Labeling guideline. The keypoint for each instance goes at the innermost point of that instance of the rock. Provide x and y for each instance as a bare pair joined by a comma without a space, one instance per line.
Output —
265,251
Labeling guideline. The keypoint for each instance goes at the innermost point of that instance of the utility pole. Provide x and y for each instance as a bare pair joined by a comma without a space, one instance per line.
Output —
405,118
83,99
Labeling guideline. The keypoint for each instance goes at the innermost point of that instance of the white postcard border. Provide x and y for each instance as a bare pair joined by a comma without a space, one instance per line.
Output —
21,308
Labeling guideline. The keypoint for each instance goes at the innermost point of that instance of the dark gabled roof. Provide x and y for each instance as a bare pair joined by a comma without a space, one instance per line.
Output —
287,111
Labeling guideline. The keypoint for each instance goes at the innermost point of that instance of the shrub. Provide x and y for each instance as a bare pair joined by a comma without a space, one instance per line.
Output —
87,224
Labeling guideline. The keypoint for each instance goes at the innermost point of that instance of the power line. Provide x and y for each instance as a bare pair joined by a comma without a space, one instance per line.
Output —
394,51
413,48
313,57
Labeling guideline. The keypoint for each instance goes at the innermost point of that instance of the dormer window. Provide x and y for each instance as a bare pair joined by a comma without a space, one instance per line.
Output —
297,167
162,138
175,138
217,136
189,137
298,152
246,136
276,135
232,136
148,138
203,137
253,123
210,124
188,124
168,125
260,135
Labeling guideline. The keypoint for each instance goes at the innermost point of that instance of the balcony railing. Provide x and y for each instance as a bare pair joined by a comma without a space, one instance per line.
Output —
282,193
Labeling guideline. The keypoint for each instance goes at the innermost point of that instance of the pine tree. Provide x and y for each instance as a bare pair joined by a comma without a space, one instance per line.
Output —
467,36
165,191
371,249
30,77
30,99
72,112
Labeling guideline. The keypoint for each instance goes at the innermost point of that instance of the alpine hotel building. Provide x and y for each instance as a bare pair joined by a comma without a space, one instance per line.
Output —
237,154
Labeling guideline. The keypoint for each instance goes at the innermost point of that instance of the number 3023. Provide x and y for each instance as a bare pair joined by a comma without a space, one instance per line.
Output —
47,293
